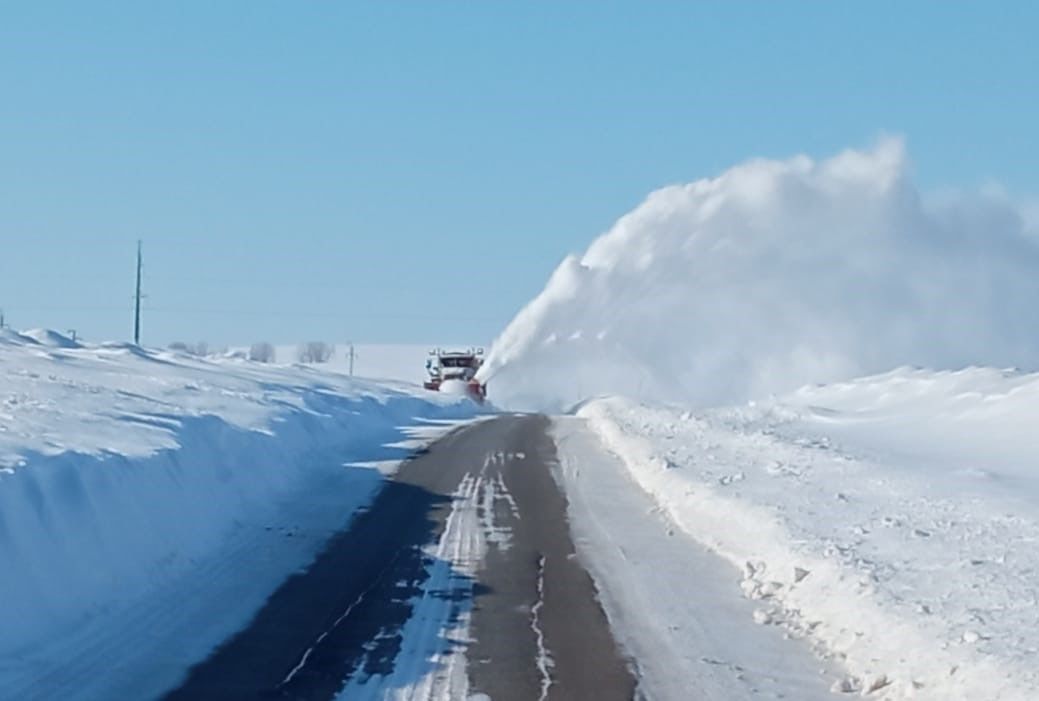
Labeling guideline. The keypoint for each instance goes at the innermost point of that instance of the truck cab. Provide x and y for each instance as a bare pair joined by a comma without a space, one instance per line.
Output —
456,371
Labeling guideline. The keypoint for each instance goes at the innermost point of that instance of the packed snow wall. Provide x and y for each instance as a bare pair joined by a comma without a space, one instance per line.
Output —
773,275
150,501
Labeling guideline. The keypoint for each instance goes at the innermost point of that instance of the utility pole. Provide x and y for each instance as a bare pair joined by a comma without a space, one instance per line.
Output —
137,300
352,356
1,318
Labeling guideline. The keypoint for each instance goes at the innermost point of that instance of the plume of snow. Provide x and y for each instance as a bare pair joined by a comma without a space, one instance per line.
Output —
776,274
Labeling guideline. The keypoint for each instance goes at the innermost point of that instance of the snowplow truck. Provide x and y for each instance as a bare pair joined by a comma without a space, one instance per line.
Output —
455,372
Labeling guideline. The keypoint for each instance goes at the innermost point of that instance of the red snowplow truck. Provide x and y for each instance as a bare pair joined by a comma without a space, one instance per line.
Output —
455,372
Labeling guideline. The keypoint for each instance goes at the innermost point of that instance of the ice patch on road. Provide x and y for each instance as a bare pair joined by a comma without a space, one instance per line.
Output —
423,433
498,535
544,659
504,493
494,495
431,664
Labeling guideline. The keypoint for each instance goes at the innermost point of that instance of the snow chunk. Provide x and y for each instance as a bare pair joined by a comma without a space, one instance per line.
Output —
51,339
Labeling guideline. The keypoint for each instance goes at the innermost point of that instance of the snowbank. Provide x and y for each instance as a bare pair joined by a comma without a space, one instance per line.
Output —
150,501
672,605
891,520
773,275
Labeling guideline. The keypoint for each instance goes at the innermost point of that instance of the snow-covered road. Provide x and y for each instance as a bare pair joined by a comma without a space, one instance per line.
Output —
459,580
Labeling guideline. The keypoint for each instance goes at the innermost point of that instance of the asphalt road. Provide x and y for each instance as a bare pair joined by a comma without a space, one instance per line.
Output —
536,630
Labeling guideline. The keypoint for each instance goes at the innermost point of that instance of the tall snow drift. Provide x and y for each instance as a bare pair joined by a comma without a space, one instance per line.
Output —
773,275
152,501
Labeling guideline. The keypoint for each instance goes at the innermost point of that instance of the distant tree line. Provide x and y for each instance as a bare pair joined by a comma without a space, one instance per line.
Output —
315,352
263,352
201,349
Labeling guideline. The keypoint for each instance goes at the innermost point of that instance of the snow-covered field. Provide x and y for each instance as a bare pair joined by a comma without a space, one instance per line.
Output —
129,479
886,516
892,521
401,362
390,361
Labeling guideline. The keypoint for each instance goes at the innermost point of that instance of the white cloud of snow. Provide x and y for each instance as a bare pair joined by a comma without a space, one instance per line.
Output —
776,274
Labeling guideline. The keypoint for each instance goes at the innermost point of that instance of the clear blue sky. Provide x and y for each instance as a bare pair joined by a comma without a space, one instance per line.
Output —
410,172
